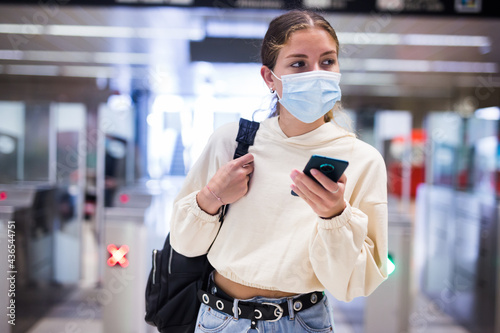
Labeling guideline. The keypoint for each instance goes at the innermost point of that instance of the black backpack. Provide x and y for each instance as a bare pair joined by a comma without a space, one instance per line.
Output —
171,292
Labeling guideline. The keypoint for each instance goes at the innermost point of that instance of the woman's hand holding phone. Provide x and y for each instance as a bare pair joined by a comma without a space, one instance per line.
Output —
321,193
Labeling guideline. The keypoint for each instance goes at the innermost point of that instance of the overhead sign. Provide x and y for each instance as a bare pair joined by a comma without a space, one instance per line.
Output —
474,8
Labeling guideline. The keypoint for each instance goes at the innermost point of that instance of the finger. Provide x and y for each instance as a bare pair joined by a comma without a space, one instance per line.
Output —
312,191
326,182
241,165
247,168
343,179
308,188
297,191
245,159
310,198
301,179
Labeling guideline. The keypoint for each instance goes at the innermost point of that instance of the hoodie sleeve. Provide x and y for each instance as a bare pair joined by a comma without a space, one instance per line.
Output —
349,252
192,230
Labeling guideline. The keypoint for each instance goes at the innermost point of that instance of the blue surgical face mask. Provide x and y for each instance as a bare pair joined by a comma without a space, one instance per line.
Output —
310,95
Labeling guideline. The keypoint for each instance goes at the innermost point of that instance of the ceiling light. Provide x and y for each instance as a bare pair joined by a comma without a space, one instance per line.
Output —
396,65
190,33
24,29
445,40
90,31
402,65
11,55
372,79
82,57
236,29
491,113
89,71
361,38
463,67
121,58
38,70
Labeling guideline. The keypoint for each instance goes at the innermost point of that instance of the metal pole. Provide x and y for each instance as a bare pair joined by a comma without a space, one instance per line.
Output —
99,191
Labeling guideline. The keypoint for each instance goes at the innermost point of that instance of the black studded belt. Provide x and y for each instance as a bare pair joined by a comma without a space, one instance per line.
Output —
259,311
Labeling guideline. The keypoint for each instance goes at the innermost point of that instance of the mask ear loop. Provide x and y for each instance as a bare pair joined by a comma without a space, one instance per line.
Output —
275,75
271,89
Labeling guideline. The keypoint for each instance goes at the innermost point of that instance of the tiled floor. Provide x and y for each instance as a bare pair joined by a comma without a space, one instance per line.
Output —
349,319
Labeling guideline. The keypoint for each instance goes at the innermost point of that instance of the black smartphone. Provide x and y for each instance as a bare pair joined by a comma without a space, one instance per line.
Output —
331,167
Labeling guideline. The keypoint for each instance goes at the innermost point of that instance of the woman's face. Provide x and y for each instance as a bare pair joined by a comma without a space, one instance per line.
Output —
307,50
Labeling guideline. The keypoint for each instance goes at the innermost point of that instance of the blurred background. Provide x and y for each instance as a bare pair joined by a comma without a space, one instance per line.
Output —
105,105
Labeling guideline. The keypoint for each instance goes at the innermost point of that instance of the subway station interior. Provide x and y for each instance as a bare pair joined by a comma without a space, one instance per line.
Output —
105,106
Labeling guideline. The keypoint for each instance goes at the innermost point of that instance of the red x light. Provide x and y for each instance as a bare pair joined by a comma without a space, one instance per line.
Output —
124,198
117,255
3,195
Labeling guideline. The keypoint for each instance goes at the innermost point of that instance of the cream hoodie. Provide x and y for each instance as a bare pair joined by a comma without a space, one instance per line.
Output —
273,240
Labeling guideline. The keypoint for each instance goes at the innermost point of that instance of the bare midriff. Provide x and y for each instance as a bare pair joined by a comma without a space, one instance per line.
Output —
240,291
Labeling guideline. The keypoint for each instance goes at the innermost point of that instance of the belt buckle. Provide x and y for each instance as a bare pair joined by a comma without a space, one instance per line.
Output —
278,312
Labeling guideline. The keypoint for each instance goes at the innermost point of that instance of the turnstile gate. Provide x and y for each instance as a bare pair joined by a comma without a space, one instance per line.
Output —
126,262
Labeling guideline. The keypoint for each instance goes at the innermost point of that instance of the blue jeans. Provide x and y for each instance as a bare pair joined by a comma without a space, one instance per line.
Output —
316,319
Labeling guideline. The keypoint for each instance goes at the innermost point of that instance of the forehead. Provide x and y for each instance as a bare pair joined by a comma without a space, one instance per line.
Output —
314,39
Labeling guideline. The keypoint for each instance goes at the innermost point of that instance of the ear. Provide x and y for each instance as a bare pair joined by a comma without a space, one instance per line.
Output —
266,74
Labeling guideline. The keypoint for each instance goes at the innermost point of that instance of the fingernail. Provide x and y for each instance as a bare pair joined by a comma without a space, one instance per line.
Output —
294,174
314,172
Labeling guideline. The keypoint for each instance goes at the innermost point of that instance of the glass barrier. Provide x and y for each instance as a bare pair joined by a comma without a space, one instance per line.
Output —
392,137
70,121
445,139
12,131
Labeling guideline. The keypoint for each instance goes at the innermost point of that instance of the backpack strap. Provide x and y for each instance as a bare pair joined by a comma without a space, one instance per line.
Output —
245,138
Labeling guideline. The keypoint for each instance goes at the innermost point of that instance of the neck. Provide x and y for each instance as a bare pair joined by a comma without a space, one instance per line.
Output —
291,126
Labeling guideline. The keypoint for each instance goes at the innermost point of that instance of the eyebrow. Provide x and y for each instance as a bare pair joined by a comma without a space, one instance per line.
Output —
299,55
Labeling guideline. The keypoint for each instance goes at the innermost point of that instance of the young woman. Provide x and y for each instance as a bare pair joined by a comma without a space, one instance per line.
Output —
275,253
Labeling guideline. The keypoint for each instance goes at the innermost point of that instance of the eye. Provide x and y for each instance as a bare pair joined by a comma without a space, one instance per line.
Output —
298,64
328,62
